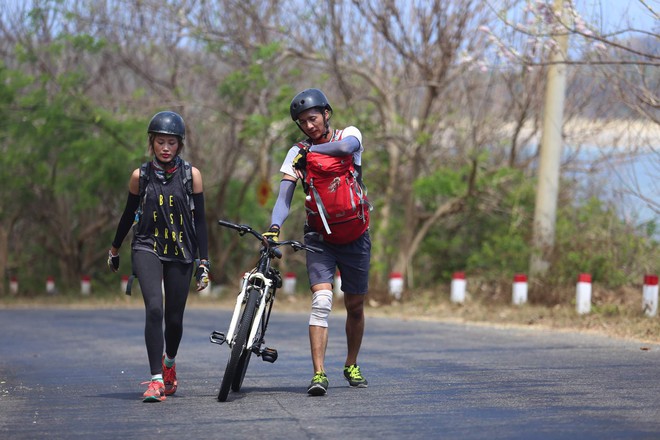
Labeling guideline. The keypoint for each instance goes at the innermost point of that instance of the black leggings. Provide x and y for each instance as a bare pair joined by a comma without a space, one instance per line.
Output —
175,277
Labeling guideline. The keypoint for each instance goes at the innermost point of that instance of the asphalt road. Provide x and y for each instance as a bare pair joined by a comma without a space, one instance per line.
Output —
76,374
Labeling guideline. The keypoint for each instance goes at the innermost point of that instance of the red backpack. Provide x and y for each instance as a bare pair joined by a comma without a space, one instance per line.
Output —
336,203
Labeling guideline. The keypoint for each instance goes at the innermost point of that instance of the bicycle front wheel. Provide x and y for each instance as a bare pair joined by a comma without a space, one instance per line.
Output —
235,368
241,368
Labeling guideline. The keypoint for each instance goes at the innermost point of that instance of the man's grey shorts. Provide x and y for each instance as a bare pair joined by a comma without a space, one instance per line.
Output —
352,260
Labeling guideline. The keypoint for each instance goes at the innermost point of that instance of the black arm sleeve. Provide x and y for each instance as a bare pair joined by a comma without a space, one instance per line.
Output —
127,218
200,226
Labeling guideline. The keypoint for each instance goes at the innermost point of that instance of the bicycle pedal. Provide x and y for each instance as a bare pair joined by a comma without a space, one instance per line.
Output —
269,355
218,337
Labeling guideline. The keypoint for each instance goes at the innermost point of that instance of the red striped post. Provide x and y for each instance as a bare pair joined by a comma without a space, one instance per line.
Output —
519,289
50,286
124,283
583,294
289,283
85,284
650,295
13,285
396,285
458,284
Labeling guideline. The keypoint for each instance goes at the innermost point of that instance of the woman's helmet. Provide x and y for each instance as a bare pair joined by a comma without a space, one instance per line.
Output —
310,98
167,123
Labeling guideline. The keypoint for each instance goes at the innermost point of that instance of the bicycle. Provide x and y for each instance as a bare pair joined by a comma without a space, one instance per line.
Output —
254,303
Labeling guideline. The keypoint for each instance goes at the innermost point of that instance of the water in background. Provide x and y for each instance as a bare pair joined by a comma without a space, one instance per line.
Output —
630,179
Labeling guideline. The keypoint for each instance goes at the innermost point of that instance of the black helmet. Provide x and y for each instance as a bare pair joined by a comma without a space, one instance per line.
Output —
307,99
167,123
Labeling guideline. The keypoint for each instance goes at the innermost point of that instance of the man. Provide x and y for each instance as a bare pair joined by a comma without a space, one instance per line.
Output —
341,231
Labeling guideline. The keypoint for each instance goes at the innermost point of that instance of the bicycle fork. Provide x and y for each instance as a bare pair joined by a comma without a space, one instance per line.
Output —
267,354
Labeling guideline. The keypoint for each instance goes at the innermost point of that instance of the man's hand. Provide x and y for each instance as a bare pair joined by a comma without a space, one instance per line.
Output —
113,261
202,274
273,233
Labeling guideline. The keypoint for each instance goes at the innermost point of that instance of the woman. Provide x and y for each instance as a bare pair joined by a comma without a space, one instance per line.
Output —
170,230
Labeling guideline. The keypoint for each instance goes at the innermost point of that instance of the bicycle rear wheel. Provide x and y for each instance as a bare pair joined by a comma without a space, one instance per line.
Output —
240,348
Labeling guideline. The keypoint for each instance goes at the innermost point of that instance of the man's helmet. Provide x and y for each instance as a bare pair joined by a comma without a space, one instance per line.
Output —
167,123
307,99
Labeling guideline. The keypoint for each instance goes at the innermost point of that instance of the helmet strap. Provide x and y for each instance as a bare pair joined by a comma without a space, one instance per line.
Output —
301,129
326,124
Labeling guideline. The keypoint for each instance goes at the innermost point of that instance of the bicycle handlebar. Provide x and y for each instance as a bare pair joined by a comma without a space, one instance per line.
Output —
270,243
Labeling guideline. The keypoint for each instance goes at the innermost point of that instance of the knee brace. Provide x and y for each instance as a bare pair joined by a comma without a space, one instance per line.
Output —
321,306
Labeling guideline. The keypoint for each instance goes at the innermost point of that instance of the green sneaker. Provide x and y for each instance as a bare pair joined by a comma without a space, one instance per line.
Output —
354,376
319,385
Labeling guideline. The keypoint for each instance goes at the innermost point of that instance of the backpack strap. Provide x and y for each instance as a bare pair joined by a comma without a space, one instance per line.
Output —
305,146
188,183
323,213
144,178
142,191
187,177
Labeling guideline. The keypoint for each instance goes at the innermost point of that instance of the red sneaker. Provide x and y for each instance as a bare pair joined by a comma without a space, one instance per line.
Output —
169,377
155,391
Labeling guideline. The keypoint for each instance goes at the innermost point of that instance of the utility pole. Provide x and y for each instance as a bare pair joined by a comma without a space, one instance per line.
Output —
547,190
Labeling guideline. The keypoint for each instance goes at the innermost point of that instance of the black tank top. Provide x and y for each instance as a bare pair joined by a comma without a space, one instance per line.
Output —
166,225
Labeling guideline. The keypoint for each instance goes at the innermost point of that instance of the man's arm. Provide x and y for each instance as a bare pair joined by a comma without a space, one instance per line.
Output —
346,146
283,202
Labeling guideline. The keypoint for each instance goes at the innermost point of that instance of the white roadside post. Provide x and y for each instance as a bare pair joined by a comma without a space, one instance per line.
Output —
13,285
289,283
124,283
519,289
50,285
396,285
650,295
458,284
209,289
85,285
583,294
